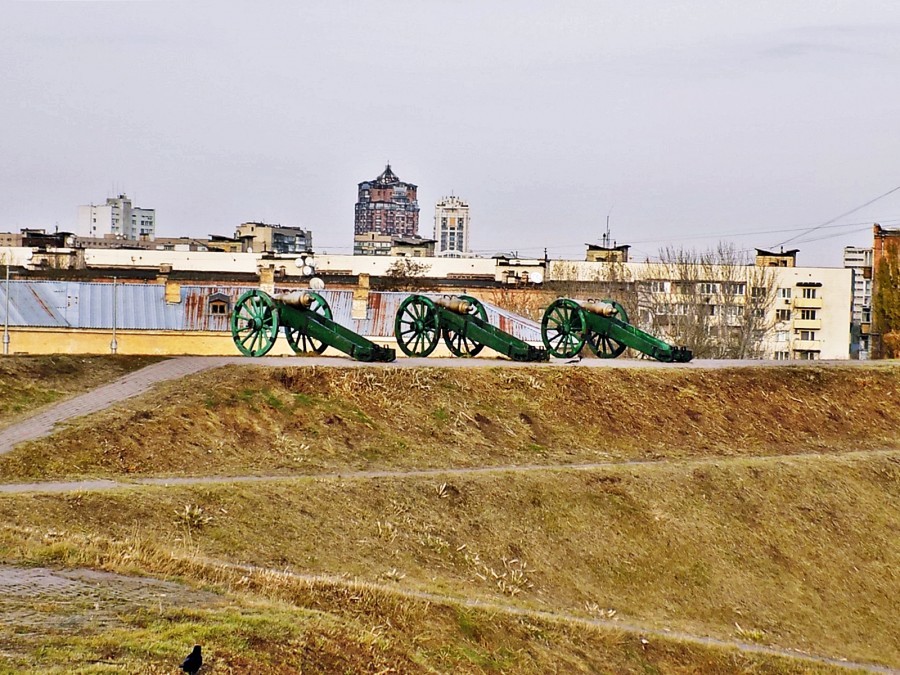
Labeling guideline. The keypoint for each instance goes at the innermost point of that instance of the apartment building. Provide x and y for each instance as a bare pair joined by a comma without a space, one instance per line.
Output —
387,206
117,218
859,260
770,310
451,227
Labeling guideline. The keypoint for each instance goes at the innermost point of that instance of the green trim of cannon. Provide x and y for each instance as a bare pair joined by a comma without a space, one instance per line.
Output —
569,324
307,322
462,322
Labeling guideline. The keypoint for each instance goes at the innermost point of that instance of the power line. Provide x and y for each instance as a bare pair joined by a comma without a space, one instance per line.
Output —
829,222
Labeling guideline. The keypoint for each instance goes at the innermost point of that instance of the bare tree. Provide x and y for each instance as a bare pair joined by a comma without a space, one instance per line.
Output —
407,274
716,302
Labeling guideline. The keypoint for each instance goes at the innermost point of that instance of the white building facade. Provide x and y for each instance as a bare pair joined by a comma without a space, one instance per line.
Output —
117,218
451,227
804,312
859,259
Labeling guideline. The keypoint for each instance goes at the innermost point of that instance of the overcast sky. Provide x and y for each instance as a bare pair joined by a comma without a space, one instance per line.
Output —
686,122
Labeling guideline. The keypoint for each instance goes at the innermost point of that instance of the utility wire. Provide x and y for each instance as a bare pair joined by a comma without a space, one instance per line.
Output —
829,222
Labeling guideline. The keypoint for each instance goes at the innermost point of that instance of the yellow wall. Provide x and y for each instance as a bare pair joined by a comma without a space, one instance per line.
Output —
168,343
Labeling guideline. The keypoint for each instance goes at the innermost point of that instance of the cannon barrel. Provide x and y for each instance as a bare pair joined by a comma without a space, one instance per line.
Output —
454,304
295,299
601,308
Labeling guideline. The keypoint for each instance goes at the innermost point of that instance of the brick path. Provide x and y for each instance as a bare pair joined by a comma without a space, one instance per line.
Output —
125,387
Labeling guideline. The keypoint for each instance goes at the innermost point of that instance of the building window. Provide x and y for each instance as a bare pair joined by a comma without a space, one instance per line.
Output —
784,293
782,356
809,293
758,292
782,315
219,304
708,288
806,355
806,334
808,314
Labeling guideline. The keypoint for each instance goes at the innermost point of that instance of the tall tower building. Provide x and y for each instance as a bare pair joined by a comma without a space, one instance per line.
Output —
451,227
387,206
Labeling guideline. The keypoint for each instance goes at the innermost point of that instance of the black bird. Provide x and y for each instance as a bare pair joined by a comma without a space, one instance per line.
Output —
191,665
577,359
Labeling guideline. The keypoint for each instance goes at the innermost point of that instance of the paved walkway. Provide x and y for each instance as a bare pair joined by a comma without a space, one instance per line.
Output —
125,387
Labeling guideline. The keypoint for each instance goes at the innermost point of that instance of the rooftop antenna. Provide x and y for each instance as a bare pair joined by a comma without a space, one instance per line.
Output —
606,234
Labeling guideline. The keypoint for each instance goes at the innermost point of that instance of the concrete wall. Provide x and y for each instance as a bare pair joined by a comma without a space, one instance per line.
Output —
160,343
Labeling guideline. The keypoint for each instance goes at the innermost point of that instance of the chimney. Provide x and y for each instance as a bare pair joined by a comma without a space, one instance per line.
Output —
360,307
267,278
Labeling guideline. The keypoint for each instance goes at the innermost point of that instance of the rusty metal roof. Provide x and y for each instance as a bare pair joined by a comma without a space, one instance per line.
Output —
75,304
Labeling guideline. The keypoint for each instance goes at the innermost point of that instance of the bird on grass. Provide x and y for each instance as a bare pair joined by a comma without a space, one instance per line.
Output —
191,665
576,359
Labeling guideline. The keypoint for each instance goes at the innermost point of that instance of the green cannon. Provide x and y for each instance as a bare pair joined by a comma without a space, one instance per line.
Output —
307,322
568,324
463,324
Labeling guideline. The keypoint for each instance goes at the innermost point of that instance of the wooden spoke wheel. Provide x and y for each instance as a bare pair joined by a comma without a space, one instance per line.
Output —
416,326
459,343
603,346
297,338
254,323
563,328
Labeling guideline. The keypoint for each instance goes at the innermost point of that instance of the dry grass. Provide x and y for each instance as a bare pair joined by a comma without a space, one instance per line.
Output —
254,420
800,553
28,383
273,622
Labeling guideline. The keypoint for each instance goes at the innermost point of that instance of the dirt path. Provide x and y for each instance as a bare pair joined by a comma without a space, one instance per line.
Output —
640,632
36,601
96,485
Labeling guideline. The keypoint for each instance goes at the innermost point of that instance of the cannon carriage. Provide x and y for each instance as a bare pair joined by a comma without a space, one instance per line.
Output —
307,323
568,325
462,322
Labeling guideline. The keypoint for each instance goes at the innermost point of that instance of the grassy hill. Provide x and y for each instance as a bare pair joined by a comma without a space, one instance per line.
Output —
767,514
28,383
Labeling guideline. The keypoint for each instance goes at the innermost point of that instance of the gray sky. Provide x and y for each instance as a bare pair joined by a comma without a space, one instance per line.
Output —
690,121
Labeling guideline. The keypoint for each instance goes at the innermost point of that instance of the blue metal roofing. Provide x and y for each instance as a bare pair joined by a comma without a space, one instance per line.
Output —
76,304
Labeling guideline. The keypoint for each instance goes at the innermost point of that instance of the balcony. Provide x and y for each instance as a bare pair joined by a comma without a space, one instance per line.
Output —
807,345
808,303
807,324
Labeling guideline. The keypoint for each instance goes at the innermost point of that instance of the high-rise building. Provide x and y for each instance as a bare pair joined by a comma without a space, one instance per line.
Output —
451,227
387,206
117,218
860,261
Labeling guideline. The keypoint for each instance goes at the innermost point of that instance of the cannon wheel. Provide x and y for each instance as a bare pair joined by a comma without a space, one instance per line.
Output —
416,326
462,345
299,341
603,346
254,323
563,328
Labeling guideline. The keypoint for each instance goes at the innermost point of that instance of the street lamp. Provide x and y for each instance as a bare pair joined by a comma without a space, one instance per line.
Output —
114,345
6,317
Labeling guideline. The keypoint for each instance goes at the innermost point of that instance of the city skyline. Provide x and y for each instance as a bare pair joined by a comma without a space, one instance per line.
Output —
683,125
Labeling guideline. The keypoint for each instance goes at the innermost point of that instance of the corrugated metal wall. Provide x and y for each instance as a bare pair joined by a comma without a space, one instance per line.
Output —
75,304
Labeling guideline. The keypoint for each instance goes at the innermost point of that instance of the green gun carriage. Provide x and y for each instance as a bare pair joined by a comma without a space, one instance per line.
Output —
307,322
463,324
569,324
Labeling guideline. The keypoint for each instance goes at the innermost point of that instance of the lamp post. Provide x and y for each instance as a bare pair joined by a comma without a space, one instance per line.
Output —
114,345
6,317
